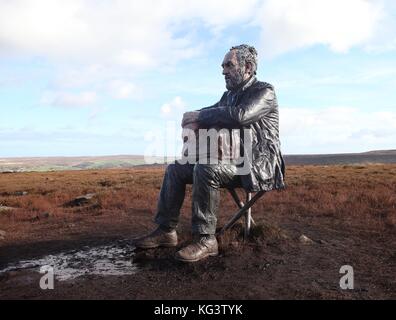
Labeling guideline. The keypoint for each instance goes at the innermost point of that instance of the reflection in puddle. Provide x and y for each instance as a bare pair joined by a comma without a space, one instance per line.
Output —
106,260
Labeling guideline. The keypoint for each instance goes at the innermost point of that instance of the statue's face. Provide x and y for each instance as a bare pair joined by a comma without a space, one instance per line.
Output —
233,73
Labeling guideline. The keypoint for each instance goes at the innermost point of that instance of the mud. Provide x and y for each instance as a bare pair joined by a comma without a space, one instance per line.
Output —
107,260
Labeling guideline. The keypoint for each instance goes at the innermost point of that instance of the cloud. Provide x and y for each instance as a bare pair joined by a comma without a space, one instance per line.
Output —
289,24
385,35
69,100
145,34
140,34
107,46
336,129
173,109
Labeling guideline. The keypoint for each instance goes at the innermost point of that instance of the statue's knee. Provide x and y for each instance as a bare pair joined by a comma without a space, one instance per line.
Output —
204,172
171,169
179,171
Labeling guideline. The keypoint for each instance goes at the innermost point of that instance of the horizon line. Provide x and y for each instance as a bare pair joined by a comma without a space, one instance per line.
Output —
164,156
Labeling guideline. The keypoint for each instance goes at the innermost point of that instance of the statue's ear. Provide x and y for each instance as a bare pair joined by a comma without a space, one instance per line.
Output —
249,68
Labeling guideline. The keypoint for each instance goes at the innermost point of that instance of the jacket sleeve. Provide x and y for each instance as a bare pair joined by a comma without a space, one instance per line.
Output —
258,104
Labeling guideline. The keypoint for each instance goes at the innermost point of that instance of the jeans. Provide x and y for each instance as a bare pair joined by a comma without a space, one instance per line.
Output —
206,180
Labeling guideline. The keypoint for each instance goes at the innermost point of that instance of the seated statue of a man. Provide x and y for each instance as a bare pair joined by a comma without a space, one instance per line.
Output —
247,104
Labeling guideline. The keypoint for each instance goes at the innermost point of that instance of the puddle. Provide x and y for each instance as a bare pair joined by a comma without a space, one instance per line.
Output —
105,260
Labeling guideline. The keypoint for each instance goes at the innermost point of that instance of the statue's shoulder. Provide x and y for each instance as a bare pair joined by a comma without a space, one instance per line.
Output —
261,85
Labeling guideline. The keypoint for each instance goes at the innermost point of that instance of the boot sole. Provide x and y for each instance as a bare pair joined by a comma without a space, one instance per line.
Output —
213,254
163,245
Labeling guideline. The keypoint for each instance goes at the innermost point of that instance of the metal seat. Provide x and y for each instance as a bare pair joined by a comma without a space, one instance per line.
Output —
245,209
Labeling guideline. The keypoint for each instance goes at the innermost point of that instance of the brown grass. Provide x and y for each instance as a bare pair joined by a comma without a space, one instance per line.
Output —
360,196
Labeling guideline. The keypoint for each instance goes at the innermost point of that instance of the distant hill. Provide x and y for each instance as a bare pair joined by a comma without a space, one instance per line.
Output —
129,161
71,163
381,152
375,156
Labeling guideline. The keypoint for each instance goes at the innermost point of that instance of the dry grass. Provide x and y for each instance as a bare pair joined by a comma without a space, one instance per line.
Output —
361,196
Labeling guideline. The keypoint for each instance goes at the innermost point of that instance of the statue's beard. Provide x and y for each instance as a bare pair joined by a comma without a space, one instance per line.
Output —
233,82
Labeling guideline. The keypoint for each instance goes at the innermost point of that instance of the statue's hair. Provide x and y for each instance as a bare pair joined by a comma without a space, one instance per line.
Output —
246,53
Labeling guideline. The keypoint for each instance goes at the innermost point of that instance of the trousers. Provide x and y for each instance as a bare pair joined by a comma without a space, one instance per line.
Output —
206,179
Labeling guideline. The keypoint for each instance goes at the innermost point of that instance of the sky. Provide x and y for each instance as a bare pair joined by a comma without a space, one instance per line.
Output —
101,77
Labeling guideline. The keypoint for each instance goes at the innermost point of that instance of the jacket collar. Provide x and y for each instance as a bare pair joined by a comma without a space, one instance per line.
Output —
249,83
246,84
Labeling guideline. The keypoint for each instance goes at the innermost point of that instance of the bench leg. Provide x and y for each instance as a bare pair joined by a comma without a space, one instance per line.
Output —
248,216
240,204
242,211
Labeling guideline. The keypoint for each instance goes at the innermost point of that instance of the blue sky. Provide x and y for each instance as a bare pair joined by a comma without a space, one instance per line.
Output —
108,77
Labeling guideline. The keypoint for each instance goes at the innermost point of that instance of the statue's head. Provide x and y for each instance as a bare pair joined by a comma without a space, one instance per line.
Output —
239,64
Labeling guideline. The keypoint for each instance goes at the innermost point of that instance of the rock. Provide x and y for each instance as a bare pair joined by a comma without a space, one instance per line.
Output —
35,218
81,200
105,183
45,215
21,193
2,234
305,240
5,208
87,196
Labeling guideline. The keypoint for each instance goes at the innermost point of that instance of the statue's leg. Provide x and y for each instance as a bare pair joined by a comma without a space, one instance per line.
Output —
208,178
172,194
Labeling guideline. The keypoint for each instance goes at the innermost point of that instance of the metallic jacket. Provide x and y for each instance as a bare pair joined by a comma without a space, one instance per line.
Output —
253,106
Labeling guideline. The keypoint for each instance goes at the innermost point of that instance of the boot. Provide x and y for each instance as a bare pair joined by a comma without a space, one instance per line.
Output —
201,248
158,238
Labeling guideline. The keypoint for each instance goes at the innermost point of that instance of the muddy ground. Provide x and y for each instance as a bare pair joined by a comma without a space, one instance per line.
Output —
273,264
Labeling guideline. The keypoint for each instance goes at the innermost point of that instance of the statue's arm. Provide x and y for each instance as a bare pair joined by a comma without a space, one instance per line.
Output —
260,103
192,116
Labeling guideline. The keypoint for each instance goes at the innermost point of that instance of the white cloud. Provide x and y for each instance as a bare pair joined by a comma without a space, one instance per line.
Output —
385,35
292,24
69,100
105,46
336,129
174,108
144,34
135,33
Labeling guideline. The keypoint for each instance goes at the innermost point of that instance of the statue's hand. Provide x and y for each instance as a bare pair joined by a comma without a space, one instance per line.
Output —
192,126
190,117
